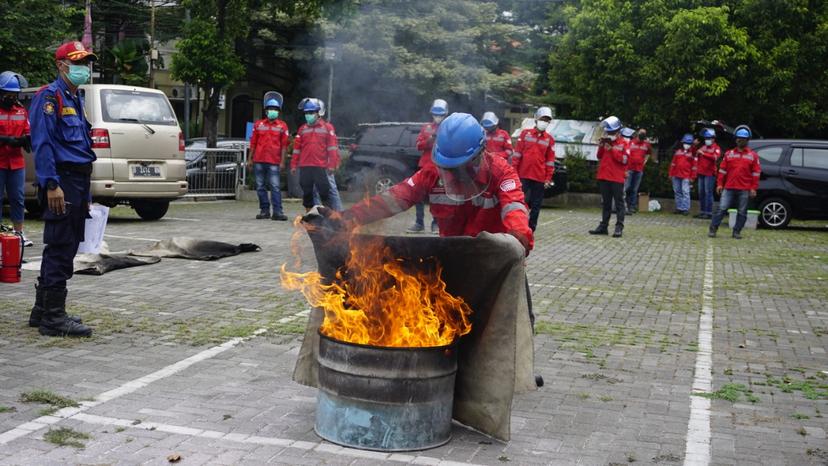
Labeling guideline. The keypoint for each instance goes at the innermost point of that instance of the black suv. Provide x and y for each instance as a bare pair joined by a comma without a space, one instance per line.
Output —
794,180
384,154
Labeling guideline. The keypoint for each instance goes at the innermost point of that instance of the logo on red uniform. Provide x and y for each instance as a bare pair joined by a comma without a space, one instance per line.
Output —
508,185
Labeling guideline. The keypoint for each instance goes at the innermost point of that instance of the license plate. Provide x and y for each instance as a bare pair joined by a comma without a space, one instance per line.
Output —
146,171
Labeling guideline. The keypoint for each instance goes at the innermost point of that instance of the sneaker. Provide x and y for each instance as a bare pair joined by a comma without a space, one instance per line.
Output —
737,235
416,228
279,217
699,216
434,228
263,215
711,233
27,243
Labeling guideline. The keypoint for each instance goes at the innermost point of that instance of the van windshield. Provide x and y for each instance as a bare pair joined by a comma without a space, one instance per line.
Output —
127,106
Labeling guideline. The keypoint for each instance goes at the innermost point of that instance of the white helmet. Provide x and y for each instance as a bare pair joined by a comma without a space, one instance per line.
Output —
439,107
321,107
489,119
543,112
611,123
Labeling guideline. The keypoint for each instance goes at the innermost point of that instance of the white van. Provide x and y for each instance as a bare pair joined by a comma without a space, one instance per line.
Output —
139,145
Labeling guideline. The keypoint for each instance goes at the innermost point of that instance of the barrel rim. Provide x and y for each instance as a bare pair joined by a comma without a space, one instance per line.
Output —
452,345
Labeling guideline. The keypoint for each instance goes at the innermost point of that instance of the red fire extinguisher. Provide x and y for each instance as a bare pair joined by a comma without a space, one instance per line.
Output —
11,258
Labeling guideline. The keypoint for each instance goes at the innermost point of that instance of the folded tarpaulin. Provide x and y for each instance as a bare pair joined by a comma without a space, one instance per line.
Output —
99,264
495,359
197,249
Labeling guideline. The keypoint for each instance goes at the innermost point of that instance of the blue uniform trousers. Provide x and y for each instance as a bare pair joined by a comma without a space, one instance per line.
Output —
63,233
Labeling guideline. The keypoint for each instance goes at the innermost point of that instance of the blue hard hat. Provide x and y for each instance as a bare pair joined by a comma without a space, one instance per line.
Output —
459,139
687,139
12,82
611,124
272,99
627,132
708,133
272,103
310,105
743,132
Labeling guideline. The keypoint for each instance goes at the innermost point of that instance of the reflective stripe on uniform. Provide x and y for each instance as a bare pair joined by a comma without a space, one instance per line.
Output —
485,202
295,151
4,117
756,174
17,117
544,142
530,139
723,171
498,139
443,199
550,164
517,154
276,128
331,148
512,206
391,202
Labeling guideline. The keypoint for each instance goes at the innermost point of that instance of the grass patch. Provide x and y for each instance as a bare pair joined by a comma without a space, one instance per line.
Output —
605,398
48,411
731,392
119,429
48,398
584,396
7,409
800,416
66,437
808,388
586,338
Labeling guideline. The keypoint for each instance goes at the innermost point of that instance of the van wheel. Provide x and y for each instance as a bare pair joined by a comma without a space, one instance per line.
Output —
150,210
774,212
379,182
33,209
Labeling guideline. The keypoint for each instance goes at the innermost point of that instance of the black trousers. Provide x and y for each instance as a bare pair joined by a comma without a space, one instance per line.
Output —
63,233
533,193
310,177
611,192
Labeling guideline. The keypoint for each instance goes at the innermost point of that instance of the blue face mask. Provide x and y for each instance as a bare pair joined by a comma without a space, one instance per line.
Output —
78,74
310,118
272,114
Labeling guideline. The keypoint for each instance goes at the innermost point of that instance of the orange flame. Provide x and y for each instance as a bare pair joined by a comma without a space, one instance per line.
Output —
380,300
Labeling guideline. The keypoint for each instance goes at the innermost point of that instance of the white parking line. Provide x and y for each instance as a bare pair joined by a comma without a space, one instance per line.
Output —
697,450
183,219
131,237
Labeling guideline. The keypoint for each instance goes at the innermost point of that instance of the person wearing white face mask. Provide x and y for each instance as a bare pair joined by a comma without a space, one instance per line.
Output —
425,143
534,161
683,172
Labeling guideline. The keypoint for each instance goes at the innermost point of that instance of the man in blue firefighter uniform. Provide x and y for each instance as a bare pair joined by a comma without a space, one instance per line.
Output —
63,163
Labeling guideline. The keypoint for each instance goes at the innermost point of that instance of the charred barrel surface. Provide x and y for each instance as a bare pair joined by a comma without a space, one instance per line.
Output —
387,399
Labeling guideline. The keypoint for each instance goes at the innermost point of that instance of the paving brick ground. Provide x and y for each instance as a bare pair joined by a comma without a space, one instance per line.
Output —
618,323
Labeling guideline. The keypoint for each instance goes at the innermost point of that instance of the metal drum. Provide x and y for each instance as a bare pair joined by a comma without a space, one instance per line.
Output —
385,399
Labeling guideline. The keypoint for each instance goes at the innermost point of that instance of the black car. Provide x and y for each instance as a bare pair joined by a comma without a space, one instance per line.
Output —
383,154
794,180
227,165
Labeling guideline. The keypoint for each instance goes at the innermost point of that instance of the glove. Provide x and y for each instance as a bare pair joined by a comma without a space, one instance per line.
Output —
323,217
524,241
6,140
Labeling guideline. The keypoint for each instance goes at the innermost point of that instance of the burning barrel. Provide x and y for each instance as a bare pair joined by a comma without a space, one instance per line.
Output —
385,398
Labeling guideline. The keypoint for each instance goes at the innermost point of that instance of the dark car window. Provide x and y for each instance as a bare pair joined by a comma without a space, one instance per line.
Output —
380,136
410,136
814,158
770,154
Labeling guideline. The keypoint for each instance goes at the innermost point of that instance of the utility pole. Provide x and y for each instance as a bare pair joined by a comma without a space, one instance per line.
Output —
153,52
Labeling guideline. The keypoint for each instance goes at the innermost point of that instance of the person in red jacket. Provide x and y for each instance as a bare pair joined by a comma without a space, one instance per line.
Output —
640,149
534,161
737,182
425,142
683,172
268,146
315,154
14,135
613,156
707,157
498,141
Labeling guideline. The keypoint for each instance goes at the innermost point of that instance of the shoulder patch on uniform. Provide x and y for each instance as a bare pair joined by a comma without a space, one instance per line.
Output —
49,108
508,185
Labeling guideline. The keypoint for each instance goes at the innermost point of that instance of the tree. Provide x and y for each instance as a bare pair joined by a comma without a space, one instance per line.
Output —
206,54
27,45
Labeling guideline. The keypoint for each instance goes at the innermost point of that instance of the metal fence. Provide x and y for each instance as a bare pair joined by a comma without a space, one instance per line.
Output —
215,172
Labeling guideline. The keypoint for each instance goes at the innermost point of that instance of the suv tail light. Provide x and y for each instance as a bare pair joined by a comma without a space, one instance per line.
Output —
100,138
180,141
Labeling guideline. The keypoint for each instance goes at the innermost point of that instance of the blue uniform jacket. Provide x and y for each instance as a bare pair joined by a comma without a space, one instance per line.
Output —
60,132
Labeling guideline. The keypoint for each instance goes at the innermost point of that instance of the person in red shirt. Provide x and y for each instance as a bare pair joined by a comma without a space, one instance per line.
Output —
640,149
14,135
315,154
425,142
707,157
683,172
268,146
738,181
534,161
613,156
498,141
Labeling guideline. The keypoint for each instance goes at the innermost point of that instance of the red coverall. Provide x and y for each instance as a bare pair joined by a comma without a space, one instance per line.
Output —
425,142
612,163
534,156
707,158
315,146
499,209
499,143
14,122
739,169
638,154
683,164
269,141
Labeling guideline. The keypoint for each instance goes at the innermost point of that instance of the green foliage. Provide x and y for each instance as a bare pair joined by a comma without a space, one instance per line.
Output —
66,437
129,61
32,30
47,397
655,181
731,392
580,173
662,63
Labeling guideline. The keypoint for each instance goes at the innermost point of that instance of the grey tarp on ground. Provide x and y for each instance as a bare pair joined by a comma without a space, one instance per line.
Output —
496,358
182,247
99,264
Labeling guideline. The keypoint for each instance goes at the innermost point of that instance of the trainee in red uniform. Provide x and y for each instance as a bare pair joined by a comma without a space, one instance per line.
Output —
14,122
740,169
315,146
269,141
707,157
425,142
534,156
612,162
499,143
638,155
499,209
683,165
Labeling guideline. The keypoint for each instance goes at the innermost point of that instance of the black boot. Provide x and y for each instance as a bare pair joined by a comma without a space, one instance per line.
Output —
618,230
600,230
37,309
55,322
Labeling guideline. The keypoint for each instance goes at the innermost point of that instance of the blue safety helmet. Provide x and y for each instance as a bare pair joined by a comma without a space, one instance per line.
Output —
439,107
708,133
687,139
611,124
310,105
743,132
459,139
273,99
627,132
12,82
